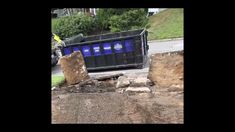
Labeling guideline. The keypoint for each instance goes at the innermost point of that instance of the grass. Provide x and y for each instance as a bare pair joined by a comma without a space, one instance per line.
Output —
57,80
166,24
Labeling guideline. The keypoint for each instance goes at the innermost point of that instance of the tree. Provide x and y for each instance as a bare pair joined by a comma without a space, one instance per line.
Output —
104,14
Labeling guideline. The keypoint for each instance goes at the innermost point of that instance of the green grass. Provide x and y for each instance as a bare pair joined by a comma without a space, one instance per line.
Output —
166,24
57,80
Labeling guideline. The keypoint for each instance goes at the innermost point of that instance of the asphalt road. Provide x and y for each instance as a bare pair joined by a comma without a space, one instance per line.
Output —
154,47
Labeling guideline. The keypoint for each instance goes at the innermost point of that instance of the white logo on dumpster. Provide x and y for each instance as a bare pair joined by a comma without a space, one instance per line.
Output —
107,48
117,46
86,50
97,49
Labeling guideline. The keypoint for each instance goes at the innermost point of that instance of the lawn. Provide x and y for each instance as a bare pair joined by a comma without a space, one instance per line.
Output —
57,80
166,24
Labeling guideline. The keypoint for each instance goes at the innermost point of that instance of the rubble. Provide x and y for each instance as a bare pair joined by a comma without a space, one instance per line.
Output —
107,77
120,90
138,89
140,81
122,82
53,88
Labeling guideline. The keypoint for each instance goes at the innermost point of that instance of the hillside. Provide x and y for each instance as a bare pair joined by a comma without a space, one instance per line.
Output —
166,24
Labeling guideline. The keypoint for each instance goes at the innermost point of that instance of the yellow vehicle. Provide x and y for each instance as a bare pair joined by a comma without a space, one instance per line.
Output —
58,40
57,43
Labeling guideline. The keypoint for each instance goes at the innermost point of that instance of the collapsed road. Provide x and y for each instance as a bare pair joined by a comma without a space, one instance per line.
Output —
126,98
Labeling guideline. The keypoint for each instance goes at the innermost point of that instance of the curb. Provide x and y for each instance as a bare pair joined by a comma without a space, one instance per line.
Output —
151,41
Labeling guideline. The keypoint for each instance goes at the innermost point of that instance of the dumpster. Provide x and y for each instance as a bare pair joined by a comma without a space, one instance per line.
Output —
112,50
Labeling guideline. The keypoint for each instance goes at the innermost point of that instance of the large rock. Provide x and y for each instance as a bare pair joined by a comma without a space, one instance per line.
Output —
166,69
122,82
74,68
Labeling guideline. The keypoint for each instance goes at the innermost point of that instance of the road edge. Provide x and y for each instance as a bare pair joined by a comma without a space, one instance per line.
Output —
161,40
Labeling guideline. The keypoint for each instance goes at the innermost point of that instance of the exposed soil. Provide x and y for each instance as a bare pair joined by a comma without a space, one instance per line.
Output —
102,104
166,70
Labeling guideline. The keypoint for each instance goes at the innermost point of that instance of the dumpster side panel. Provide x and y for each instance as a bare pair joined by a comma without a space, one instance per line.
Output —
108,53
98,55
119,52
130,48
87,54
138,50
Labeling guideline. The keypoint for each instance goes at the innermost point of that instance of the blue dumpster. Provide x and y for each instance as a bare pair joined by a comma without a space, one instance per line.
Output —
112,50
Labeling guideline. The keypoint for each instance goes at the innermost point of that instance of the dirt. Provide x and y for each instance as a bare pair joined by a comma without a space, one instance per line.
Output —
92,106
166,70
91,87
101,102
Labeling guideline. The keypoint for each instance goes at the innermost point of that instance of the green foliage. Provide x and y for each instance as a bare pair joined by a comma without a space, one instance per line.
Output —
132,19
72,25
114,19
103,16
109,18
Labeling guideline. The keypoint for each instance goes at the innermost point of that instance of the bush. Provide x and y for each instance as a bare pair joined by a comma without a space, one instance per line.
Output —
103,16
117,23
132,19
72,25
107,19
